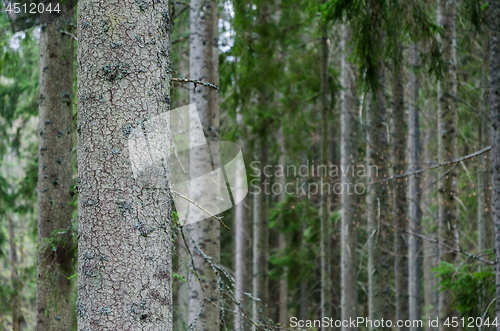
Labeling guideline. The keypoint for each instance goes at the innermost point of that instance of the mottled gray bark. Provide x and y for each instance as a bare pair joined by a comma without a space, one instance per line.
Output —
447,141
379,262
55,175
399,195
494,15
414,194
348,123
204,236
325,283
124,249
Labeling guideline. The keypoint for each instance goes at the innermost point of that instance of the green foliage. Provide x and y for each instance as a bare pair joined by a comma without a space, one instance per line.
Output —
472,289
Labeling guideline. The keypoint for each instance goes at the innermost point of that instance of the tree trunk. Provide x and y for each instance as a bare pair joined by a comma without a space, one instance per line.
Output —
414,190
325,306
240,255
283,283
484,208
377,204
399,194
124,249
204,236
260,282
494,16
55,175
179,99
17,316
447,141
348,209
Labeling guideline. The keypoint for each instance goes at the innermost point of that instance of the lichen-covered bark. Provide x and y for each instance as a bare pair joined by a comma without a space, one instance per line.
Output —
399,195
494,16
124,249
204,236
414,191
447,141
379,263
348,124
55,175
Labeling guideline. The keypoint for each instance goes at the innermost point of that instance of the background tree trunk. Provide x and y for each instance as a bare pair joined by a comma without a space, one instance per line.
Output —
204,312
348,154
414,193
324,210
124,260
494,16
377,204
55,174
240,251
399,193
447,141
260,282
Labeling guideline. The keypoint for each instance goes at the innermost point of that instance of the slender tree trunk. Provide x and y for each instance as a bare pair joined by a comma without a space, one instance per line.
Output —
484,207
260,282
204,241
399,193
447,141
414,190
124,248
17,316
181,98
430,250
377,201
494,15
348,153
240,254
55,174
324,219
283,283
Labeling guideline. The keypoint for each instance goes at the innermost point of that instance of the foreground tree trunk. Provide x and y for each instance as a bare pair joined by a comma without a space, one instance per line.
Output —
348,158
447,138
124,249
399,193
414,190
204,236
55,175
494,16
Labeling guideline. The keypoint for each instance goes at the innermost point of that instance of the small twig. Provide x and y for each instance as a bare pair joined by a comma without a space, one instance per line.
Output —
195,82
70,34
439,165
206,211
181,39
461,251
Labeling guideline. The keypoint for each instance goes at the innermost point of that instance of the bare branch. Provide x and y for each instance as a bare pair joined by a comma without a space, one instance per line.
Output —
195,82
206,211
436,241
460,159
